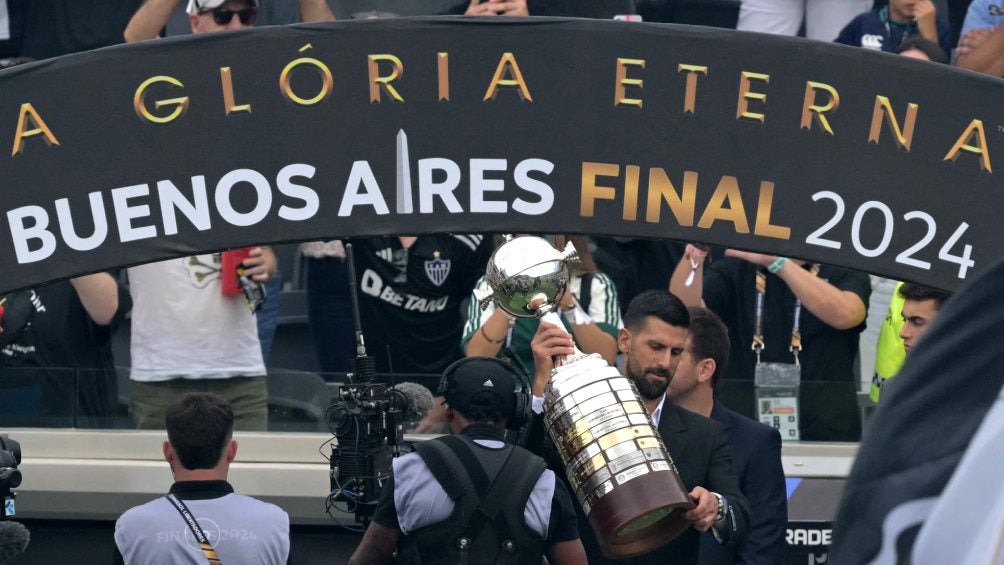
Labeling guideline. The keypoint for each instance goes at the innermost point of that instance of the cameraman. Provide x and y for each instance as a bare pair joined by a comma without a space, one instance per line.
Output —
471,497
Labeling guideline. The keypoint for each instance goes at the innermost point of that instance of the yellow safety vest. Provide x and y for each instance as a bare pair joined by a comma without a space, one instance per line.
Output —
889,352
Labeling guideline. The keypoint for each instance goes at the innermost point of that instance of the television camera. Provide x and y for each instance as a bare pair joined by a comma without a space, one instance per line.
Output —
365,420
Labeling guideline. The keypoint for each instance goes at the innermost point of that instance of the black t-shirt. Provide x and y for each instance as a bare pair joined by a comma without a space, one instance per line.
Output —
828,355
410,299
637,265
49,340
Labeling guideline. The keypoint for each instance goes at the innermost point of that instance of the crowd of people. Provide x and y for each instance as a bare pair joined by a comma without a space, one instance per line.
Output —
690,315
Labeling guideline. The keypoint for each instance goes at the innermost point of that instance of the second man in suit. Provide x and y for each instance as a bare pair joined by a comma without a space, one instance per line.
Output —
756,447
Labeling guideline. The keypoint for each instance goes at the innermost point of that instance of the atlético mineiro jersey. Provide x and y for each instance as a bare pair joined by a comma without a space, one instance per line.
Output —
410,299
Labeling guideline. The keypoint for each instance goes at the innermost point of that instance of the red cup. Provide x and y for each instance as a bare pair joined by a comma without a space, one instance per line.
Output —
230,261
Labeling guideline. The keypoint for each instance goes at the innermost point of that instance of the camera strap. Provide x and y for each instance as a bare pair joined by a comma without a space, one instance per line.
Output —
796,335
196,529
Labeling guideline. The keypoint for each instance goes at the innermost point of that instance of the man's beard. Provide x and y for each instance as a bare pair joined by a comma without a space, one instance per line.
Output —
648,389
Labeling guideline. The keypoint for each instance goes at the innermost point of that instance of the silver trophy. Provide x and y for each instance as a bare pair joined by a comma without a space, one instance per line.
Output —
614,457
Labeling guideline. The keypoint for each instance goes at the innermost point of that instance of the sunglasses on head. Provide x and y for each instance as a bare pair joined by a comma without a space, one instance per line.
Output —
222,16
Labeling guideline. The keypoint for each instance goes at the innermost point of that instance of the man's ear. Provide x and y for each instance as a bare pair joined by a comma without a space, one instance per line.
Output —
706,370
624,341
231,451
168,452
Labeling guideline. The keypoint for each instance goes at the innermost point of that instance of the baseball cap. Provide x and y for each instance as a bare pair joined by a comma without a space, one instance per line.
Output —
196,6
479,381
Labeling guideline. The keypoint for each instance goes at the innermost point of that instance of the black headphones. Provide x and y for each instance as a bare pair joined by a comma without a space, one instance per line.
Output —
522,403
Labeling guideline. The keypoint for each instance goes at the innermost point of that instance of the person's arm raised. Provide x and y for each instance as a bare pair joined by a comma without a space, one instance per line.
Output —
982,52
147,22
99,293
839,309
689,269
315,11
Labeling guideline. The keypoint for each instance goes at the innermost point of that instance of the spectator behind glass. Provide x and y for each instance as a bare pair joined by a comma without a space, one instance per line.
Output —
411,290
589,310
56,339
329,300
329,305
55,352
186,334
823,18
888,27
832,315
635,264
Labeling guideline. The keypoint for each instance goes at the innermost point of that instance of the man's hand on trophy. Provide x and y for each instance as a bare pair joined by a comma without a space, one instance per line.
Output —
549,342
703,515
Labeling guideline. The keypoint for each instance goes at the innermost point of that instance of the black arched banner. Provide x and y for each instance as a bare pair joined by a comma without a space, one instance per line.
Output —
171,147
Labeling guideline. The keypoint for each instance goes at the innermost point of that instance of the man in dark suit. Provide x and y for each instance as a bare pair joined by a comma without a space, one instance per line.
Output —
756,448
652,341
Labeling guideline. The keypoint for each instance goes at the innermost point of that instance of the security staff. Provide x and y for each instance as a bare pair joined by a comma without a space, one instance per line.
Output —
471,498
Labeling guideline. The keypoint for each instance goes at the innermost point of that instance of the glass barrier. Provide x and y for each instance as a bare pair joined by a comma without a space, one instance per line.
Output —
814,411
61,397
299,394
50,397
301,401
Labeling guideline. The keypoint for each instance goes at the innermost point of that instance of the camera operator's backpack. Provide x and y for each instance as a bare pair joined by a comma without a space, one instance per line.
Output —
489,489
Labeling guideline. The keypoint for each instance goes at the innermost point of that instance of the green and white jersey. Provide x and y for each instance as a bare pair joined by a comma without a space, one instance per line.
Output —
603,309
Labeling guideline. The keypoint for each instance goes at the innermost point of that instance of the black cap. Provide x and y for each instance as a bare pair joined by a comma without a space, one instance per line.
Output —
479,381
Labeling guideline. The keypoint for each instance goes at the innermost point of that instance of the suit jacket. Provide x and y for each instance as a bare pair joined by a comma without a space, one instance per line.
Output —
700,450
756,456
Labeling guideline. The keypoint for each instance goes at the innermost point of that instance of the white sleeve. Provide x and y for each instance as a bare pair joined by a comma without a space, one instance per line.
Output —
476,317
603,306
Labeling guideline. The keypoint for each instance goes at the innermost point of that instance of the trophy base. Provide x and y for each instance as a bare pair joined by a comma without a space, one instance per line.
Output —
640,516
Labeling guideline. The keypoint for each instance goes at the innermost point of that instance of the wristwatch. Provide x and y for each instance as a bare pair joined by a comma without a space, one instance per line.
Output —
722,507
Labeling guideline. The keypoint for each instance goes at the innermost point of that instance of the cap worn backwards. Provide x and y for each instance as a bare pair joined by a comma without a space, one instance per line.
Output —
196,6
475,376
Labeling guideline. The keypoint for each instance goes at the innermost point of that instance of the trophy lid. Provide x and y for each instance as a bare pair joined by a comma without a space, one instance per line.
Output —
527,276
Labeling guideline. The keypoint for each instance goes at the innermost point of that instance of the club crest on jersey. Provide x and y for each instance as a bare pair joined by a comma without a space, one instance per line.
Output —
437,270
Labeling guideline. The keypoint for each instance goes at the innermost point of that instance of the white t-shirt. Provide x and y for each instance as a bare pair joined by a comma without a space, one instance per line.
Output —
183,326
